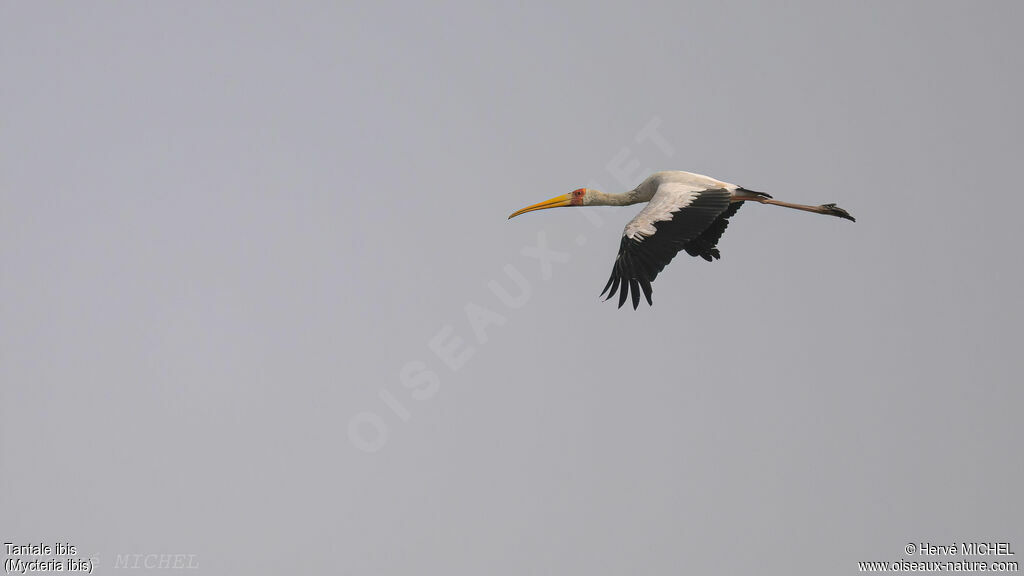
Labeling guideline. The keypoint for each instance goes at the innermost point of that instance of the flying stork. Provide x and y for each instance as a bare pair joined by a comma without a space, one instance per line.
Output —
684,211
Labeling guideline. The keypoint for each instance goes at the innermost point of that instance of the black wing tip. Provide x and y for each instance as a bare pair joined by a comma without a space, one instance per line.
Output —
631,275
613,285
646,285
629,290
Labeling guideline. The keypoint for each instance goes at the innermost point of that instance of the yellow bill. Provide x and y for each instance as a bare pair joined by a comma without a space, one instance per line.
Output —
556,202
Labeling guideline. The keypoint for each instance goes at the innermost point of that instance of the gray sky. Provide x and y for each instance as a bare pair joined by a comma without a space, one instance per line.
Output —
246,310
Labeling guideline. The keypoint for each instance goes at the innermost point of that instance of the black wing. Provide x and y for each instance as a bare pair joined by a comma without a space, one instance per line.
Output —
706,245
673,218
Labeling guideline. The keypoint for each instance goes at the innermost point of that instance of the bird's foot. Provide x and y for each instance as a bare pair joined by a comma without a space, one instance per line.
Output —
833,210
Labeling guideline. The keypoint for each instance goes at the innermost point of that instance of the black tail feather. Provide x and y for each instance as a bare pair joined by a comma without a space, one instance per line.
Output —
740,192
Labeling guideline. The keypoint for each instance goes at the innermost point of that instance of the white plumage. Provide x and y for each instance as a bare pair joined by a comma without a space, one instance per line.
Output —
668,198
684,211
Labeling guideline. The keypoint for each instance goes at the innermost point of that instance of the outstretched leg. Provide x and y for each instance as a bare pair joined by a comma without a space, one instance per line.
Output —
830,209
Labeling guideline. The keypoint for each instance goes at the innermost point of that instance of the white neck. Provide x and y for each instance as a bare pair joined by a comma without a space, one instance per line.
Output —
597,198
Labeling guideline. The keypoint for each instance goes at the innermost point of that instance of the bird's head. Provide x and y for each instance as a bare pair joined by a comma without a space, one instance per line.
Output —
578,197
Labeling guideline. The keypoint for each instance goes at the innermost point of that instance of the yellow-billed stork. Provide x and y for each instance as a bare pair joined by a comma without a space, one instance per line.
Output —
684,211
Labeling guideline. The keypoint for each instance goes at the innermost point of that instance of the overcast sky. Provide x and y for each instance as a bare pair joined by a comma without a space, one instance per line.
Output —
260,303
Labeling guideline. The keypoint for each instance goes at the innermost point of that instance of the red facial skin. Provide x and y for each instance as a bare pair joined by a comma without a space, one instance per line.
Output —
577,196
